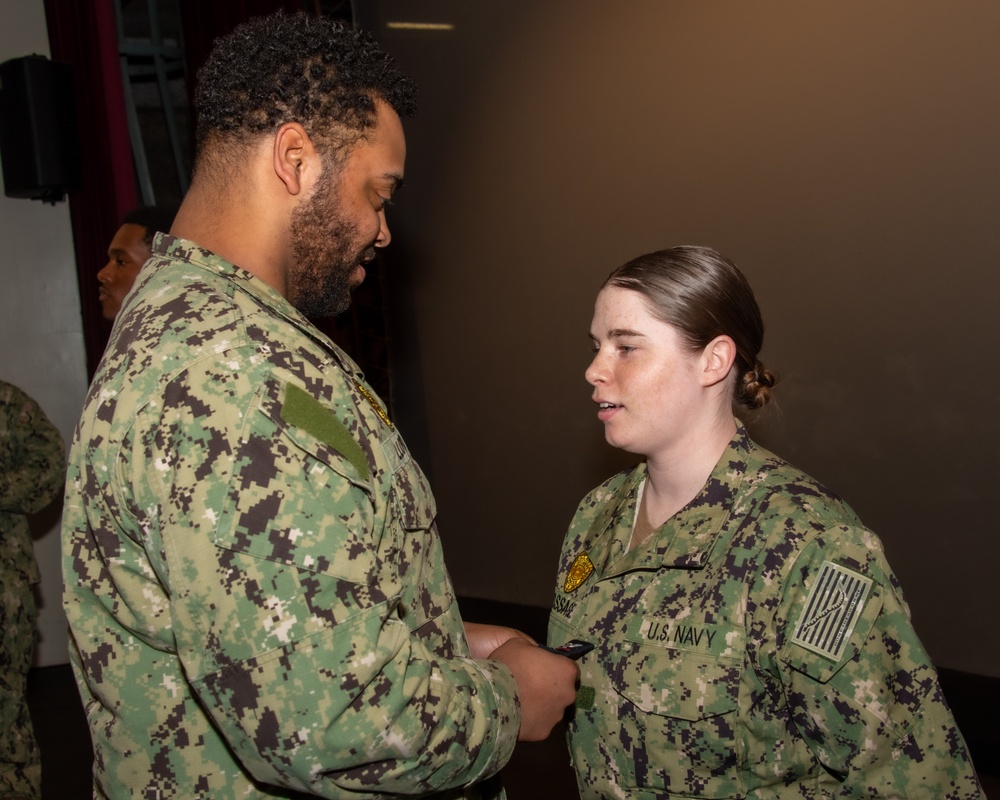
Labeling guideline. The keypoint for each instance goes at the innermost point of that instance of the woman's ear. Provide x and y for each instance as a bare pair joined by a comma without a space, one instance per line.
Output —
293,153
717,360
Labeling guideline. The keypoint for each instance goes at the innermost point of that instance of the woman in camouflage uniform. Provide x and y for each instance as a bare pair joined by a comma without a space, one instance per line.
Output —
751,640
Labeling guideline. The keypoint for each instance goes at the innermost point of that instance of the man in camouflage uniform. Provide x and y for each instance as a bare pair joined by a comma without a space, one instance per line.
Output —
130,248
255,587
755,646
32,459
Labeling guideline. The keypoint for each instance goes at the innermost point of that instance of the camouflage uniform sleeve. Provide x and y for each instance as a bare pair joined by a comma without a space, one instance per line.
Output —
288,625
32,459
860,688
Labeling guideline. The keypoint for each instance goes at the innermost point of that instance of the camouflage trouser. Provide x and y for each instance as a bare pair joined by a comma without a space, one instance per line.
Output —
20,763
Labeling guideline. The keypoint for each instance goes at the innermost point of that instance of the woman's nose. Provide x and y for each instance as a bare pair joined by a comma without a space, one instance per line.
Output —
596,372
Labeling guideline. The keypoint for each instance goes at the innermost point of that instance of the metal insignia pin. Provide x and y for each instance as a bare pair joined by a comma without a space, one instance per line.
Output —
374,404
578,573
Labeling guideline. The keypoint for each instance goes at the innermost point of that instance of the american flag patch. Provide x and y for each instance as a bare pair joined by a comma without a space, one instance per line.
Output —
832,610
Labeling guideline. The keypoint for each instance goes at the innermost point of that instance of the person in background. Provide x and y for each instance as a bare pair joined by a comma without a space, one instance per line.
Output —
32,468
258,602
128,251
750,639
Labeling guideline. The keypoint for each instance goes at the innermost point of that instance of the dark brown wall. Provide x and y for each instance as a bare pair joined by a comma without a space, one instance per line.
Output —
846,155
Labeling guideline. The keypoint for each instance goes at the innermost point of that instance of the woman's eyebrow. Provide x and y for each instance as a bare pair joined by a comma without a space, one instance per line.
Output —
617,333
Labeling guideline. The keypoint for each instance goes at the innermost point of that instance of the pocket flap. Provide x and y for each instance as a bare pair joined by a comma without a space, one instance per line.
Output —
676,683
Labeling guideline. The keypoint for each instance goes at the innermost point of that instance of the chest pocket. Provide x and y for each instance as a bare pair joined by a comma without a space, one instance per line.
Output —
410,551
411,498
677,720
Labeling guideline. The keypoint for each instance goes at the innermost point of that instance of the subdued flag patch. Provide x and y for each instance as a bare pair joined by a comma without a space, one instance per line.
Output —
835,602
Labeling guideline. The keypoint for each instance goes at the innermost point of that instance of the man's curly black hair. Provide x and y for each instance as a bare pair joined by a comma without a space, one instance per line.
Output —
152,218
282,68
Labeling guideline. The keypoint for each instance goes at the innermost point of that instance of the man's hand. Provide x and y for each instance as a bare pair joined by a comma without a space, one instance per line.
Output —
546,684
484,639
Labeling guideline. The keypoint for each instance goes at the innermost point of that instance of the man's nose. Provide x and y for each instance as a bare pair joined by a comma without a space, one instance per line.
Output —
384,236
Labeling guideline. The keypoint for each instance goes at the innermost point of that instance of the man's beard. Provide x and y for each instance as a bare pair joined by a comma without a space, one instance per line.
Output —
326,249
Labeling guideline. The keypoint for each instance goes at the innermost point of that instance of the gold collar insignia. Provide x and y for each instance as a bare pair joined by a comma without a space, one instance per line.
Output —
578,573
374,404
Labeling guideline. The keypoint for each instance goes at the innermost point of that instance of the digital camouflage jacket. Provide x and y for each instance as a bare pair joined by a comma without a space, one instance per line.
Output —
757,645
32,466
254,581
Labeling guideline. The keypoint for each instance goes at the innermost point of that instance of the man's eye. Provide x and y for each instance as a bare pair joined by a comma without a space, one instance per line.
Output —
384,202
625,349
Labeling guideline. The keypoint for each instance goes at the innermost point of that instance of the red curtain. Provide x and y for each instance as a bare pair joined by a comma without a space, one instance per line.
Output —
203,22
85,36
361,331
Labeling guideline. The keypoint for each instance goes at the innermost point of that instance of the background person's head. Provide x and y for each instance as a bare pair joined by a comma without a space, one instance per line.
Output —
704,295
128,251
338,98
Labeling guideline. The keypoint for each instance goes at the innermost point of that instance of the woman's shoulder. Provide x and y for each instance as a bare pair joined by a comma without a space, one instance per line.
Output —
775,486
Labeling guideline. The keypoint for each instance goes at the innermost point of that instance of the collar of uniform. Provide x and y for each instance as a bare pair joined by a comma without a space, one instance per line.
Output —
686,540
185,250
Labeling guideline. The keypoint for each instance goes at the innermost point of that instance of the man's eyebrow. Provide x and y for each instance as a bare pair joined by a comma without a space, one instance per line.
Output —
395,179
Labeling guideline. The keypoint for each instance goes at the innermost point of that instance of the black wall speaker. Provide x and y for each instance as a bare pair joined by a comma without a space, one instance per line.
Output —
39,148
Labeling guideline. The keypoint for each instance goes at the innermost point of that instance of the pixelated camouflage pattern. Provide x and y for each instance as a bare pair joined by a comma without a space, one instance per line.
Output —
20,758
32,466
257,609
32,469
697,688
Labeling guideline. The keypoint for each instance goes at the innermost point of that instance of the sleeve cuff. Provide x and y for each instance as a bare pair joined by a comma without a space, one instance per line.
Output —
502,718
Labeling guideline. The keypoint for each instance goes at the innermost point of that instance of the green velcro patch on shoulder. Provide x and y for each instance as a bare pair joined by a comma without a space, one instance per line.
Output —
585,697
301,409
835,602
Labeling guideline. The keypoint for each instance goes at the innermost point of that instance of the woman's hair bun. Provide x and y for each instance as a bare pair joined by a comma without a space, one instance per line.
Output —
754,389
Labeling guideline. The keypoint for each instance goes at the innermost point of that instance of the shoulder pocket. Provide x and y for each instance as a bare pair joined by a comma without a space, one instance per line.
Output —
297,494
833,623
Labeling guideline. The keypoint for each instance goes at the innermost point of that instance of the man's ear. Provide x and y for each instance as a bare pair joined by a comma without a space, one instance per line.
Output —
717,360
293,157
